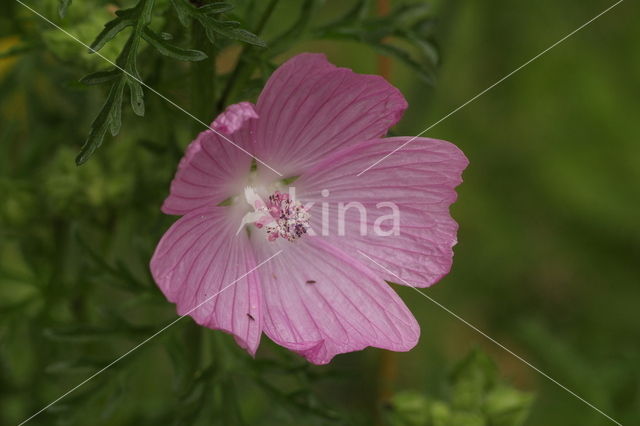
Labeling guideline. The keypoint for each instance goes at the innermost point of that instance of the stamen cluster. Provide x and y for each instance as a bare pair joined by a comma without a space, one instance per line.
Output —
290,218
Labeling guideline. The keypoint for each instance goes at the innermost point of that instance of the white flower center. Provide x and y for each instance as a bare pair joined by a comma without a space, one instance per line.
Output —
280,216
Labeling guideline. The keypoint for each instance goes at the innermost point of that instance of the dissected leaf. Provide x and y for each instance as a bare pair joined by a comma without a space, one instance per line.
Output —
62,7
211,35
171,50
424,71
240,35
184,12
215,8
411,24
100,125
111,29
115,116
229,29
137,96
100,77
208,16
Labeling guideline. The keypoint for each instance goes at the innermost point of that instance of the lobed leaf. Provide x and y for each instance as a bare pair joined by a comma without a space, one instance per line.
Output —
215,8
100,77
171,50
115,115
101,123
111,29
184,12
137,96
229,29
62,7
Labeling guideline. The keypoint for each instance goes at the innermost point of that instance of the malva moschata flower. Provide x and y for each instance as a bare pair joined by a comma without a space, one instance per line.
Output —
247,256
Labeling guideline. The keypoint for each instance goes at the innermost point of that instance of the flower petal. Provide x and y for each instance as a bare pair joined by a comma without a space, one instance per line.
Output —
309,108
205,269
234,117
419,179
212,168
320,302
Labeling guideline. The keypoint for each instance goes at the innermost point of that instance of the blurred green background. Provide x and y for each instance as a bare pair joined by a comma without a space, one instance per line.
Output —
547,264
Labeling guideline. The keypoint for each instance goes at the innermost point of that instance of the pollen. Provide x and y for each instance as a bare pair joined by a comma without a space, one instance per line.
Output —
280,216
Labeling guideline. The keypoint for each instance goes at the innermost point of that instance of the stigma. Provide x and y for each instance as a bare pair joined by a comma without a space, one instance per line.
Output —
280,216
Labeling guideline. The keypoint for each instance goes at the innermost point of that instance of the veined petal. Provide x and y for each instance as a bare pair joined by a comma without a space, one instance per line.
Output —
309,108
206,270
234,117
320,302
419,179
212,168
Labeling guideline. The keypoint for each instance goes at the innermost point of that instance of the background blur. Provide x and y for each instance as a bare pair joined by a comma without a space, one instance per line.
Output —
547,264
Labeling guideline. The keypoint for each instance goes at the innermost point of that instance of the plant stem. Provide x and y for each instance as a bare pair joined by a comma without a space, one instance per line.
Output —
241,65
203,79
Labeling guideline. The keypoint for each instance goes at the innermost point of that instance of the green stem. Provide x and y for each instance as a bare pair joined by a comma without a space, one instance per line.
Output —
241,66
203,79
265,16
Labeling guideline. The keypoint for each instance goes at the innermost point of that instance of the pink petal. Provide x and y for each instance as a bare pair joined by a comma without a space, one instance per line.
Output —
320,302
234,117
212,168
419,178
309,108
203,267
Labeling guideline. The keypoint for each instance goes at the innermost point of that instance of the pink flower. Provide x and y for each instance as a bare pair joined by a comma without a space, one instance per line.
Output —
316,295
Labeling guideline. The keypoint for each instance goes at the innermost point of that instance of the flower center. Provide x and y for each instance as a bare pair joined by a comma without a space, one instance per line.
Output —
280,216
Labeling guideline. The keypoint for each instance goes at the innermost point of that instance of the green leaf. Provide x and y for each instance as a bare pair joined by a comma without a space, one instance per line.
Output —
100,77
100,124
410,24
110,116
472,378
115,116
229,29
211,35
62,7
137,96
184,12
215,8
111,29
146,12
171,50
423,70
506,406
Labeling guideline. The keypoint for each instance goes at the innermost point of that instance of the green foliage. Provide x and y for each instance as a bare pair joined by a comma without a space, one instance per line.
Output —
406,34
407,29
547,260
210,17
63,6
126,74
476,397
109,117
170,50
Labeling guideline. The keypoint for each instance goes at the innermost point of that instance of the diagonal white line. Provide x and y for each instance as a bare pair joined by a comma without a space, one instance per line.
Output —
440,305
149,87
493,85
145,341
